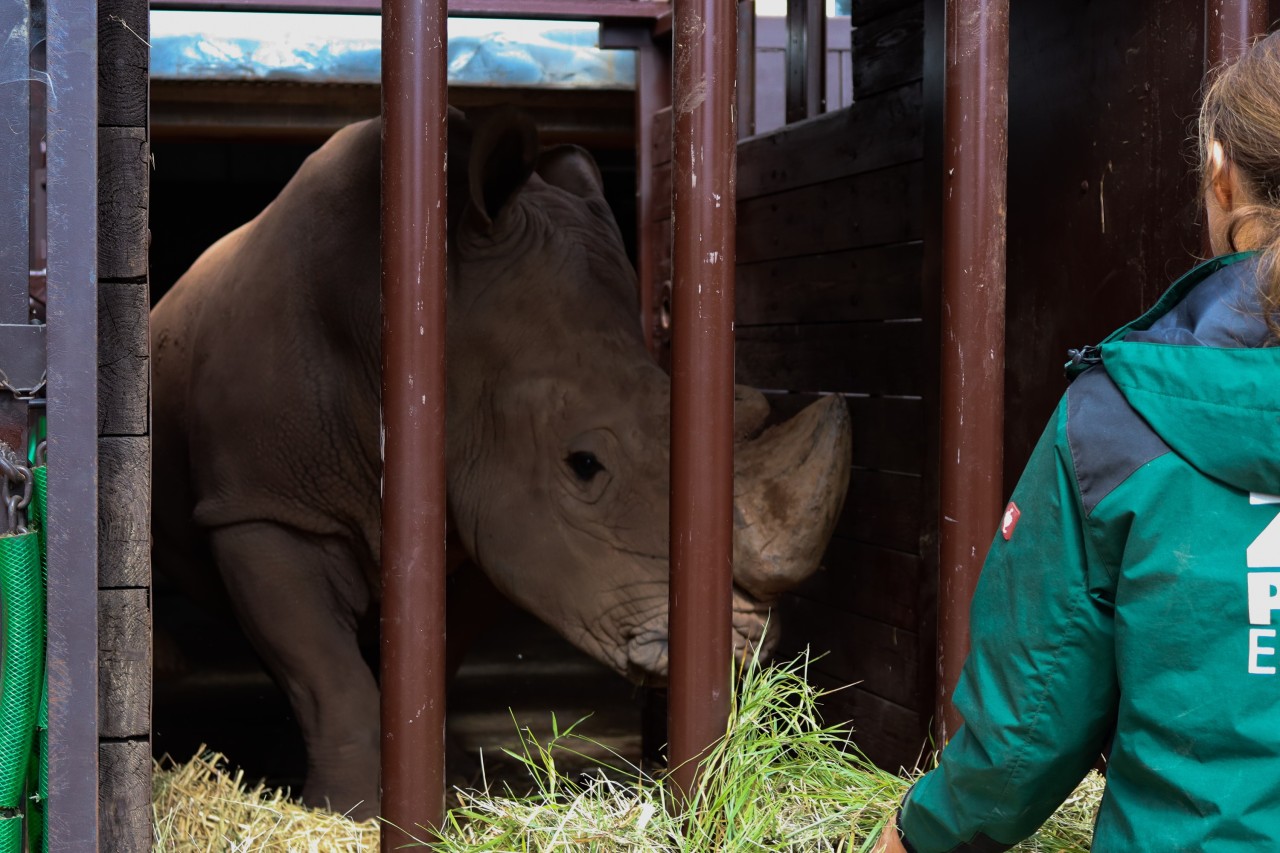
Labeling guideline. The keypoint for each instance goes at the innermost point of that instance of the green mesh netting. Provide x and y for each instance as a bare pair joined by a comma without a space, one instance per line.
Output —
22,609
35,512
37,830
11,834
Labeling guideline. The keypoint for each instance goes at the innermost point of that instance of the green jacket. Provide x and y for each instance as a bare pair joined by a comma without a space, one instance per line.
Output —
1135,600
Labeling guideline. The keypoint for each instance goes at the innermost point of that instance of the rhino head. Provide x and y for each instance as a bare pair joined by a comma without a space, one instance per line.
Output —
559,420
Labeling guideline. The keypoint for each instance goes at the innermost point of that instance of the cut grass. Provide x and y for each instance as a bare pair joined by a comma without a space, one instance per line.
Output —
779,781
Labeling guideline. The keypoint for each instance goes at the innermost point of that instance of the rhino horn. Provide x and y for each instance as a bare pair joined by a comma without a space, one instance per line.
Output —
750,411
789,488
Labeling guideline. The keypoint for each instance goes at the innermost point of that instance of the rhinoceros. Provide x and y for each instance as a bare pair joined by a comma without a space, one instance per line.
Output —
267,431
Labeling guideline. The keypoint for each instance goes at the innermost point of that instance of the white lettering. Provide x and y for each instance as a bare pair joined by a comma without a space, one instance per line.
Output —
1256,651
1264,553
1264,596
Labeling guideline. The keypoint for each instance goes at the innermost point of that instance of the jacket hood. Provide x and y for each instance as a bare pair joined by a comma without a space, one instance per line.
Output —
1198,368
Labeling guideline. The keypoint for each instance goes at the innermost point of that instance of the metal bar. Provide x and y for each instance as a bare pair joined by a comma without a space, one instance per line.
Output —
705,64
806,58
15,22
414,666
746,68
73,425
562,10
973,304
653,94
1230,27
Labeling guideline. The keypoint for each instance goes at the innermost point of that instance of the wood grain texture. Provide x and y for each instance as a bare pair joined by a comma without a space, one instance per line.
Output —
872,134
883,509
123,191
882,659
124,796
875,582
124,358
124,511
848,213
888,432
123,60
889,51
890,735
862,358
880,283
124,450
124,663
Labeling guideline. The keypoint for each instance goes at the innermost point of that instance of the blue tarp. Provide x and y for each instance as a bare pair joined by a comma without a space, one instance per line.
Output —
317,49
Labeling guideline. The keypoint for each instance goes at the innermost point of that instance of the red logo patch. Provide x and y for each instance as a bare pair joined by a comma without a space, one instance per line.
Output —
1010,520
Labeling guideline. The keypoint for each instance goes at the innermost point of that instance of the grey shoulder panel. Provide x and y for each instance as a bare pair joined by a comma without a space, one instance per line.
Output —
1107,438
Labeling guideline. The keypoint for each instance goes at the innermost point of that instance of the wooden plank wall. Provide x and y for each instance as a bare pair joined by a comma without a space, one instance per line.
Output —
124,548
831,299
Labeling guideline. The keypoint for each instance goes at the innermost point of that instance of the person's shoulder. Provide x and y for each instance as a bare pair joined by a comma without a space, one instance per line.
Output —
1107,439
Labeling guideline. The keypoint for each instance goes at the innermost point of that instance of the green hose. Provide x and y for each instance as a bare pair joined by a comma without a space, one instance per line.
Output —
37,828
22,602
11,833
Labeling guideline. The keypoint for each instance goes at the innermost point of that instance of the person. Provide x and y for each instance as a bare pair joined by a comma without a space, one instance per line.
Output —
1131,601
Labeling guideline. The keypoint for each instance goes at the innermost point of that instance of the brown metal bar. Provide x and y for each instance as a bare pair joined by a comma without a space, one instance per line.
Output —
72,346
705,63
973,289
1230,27
652,94
806,58
746,68
556,10
414,666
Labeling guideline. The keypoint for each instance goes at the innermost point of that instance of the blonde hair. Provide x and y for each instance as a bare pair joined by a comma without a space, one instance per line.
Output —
1241,112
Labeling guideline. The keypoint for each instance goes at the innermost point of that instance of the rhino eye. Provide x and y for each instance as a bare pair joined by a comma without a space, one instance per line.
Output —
585,465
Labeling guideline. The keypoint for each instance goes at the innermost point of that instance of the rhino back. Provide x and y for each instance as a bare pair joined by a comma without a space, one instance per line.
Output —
266,360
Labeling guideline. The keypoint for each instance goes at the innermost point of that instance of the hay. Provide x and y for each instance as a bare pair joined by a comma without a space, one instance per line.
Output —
203,807
780,781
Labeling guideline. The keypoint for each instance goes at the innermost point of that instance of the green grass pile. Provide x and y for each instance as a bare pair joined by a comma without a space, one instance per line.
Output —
780,781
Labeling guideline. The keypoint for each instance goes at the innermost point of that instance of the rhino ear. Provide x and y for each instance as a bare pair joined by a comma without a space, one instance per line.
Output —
571,168
504,150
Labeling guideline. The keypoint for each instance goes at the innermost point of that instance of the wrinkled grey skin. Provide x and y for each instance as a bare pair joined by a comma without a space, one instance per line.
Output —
266,372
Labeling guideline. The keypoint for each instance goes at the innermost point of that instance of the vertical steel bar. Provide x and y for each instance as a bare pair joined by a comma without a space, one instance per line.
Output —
973,302
15,118
806,58
653,93
73,425
1230,27
746,68
705,56
414,148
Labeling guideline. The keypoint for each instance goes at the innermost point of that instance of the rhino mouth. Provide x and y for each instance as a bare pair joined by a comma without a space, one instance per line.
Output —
648,650
647,658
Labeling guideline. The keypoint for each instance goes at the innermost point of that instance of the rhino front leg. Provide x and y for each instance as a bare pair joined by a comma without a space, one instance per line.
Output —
297,597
